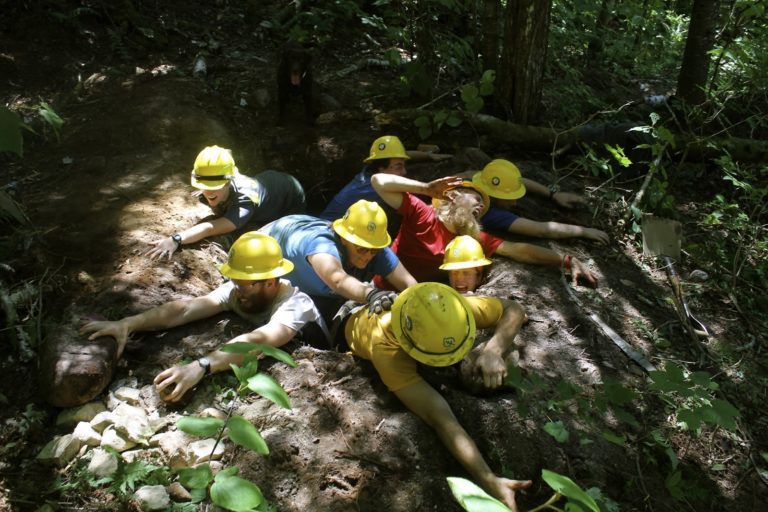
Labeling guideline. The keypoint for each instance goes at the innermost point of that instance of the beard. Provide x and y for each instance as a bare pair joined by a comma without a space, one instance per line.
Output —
254,304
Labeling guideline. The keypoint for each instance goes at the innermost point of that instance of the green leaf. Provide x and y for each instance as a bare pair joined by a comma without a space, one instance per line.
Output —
249,368
196,478
626,417
453,120
51,117
569,489
557,430
613,438
717,467
691,419
618,394
475,105
472,498
242,432
235,493
267,350
201,427
721,413
268,387
469,93
618,155
10,132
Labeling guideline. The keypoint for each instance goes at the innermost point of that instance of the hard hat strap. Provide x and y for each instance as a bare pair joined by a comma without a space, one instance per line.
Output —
218,177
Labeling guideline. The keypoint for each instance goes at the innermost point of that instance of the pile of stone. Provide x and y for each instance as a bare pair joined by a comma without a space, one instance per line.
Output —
129,427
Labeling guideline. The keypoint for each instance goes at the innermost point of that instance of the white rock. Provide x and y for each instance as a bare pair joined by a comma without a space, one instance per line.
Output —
85,433
85,412
152,497
60,450
132,423
200,451
152,454
103,463
111,438
172,442
102,421
126,394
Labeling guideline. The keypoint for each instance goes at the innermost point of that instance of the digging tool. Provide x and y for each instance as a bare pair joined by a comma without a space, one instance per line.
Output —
661,239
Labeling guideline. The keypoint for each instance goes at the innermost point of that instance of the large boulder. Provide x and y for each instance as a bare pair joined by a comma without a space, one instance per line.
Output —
74,370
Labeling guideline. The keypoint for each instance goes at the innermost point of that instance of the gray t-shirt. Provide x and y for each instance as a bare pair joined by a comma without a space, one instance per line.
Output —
291,307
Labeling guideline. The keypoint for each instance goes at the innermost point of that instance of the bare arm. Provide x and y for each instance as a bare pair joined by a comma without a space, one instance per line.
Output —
391,187
431,407
490,363
400,278
187,376
170,314
166,246
527,227
329,269
564,199
528,253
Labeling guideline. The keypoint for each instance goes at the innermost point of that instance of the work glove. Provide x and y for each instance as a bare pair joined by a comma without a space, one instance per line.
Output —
379,301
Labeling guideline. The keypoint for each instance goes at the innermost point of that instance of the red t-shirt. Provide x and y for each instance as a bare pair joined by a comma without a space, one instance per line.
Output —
420,244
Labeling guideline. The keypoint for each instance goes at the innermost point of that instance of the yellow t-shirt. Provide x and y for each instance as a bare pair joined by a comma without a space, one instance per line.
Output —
372,338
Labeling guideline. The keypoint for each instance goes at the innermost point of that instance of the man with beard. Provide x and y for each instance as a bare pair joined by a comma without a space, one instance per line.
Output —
254,291
426,230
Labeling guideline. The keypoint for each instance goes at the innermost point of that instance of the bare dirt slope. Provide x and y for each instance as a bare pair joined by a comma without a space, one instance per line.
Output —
118,179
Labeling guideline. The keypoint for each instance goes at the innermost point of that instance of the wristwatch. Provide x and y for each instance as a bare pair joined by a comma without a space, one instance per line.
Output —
205,364
553,189
176,238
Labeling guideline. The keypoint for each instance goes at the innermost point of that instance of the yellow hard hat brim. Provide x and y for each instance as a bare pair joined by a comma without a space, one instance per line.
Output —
285,267
477,181
338,227
461,265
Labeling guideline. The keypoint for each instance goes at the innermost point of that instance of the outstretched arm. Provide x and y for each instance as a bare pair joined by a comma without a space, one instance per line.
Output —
167,246
400,278
330,270
431,407
172,383
391,187
565,199
168,315
490,363
528,253
527,227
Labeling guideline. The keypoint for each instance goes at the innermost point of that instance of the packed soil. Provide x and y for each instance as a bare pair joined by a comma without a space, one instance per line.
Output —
118,179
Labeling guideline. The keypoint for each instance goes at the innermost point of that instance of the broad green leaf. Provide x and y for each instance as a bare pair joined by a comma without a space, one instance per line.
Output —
626,417
235,493
717,467
196,478
248,369
201,427
618,394
569,489
242,432
701,379
605,503
475,105
440,117
721,413
422,121
275,353
227,472
469,93
425,131
268,387
51,117
10,132
691,419
557,430
612,438
453,121
472,498
673,484
198,495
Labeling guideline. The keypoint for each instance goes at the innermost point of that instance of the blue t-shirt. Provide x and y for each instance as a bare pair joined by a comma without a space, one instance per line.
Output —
497,219
301,236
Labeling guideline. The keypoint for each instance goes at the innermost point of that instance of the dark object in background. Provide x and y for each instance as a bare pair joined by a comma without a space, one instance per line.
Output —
294,78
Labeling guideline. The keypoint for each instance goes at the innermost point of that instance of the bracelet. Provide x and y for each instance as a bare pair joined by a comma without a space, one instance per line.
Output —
567,262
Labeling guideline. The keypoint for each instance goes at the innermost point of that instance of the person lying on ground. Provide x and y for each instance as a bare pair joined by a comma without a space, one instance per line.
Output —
335,261
240,203
502,181
387,155
465,263
425,230
254,291
432,324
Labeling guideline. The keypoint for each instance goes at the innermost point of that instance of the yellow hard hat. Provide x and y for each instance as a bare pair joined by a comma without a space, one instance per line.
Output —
214,168
387,146
500,179
469,184
364,224
255,256
433,324
464,252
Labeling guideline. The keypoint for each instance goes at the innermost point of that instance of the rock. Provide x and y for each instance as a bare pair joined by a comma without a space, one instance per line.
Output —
103,463
74,370
212,412
152,497
171,442
153,454
85,433
60,450
132,423
178,492
129,395
698,276
200,451
102,421
111,438
77,414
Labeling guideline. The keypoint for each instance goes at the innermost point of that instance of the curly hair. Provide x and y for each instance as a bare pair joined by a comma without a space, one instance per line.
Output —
458,212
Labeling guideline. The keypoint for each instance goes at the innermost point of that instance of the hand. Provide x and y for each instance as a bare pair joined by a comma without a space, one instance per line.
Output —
99,328
438,157
437,188
597,235
492,368
163,247
172,383
380,301
504,490
580,271
568,200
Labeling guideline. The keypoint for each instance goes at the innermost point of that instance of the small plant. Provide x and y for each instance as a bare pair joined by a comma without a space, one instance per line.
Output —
226,489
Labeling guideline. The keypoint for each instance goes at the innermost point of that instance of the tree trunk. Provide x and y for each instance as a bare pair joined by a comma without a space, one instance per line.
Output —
595,47
695,67
520,75
489,46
